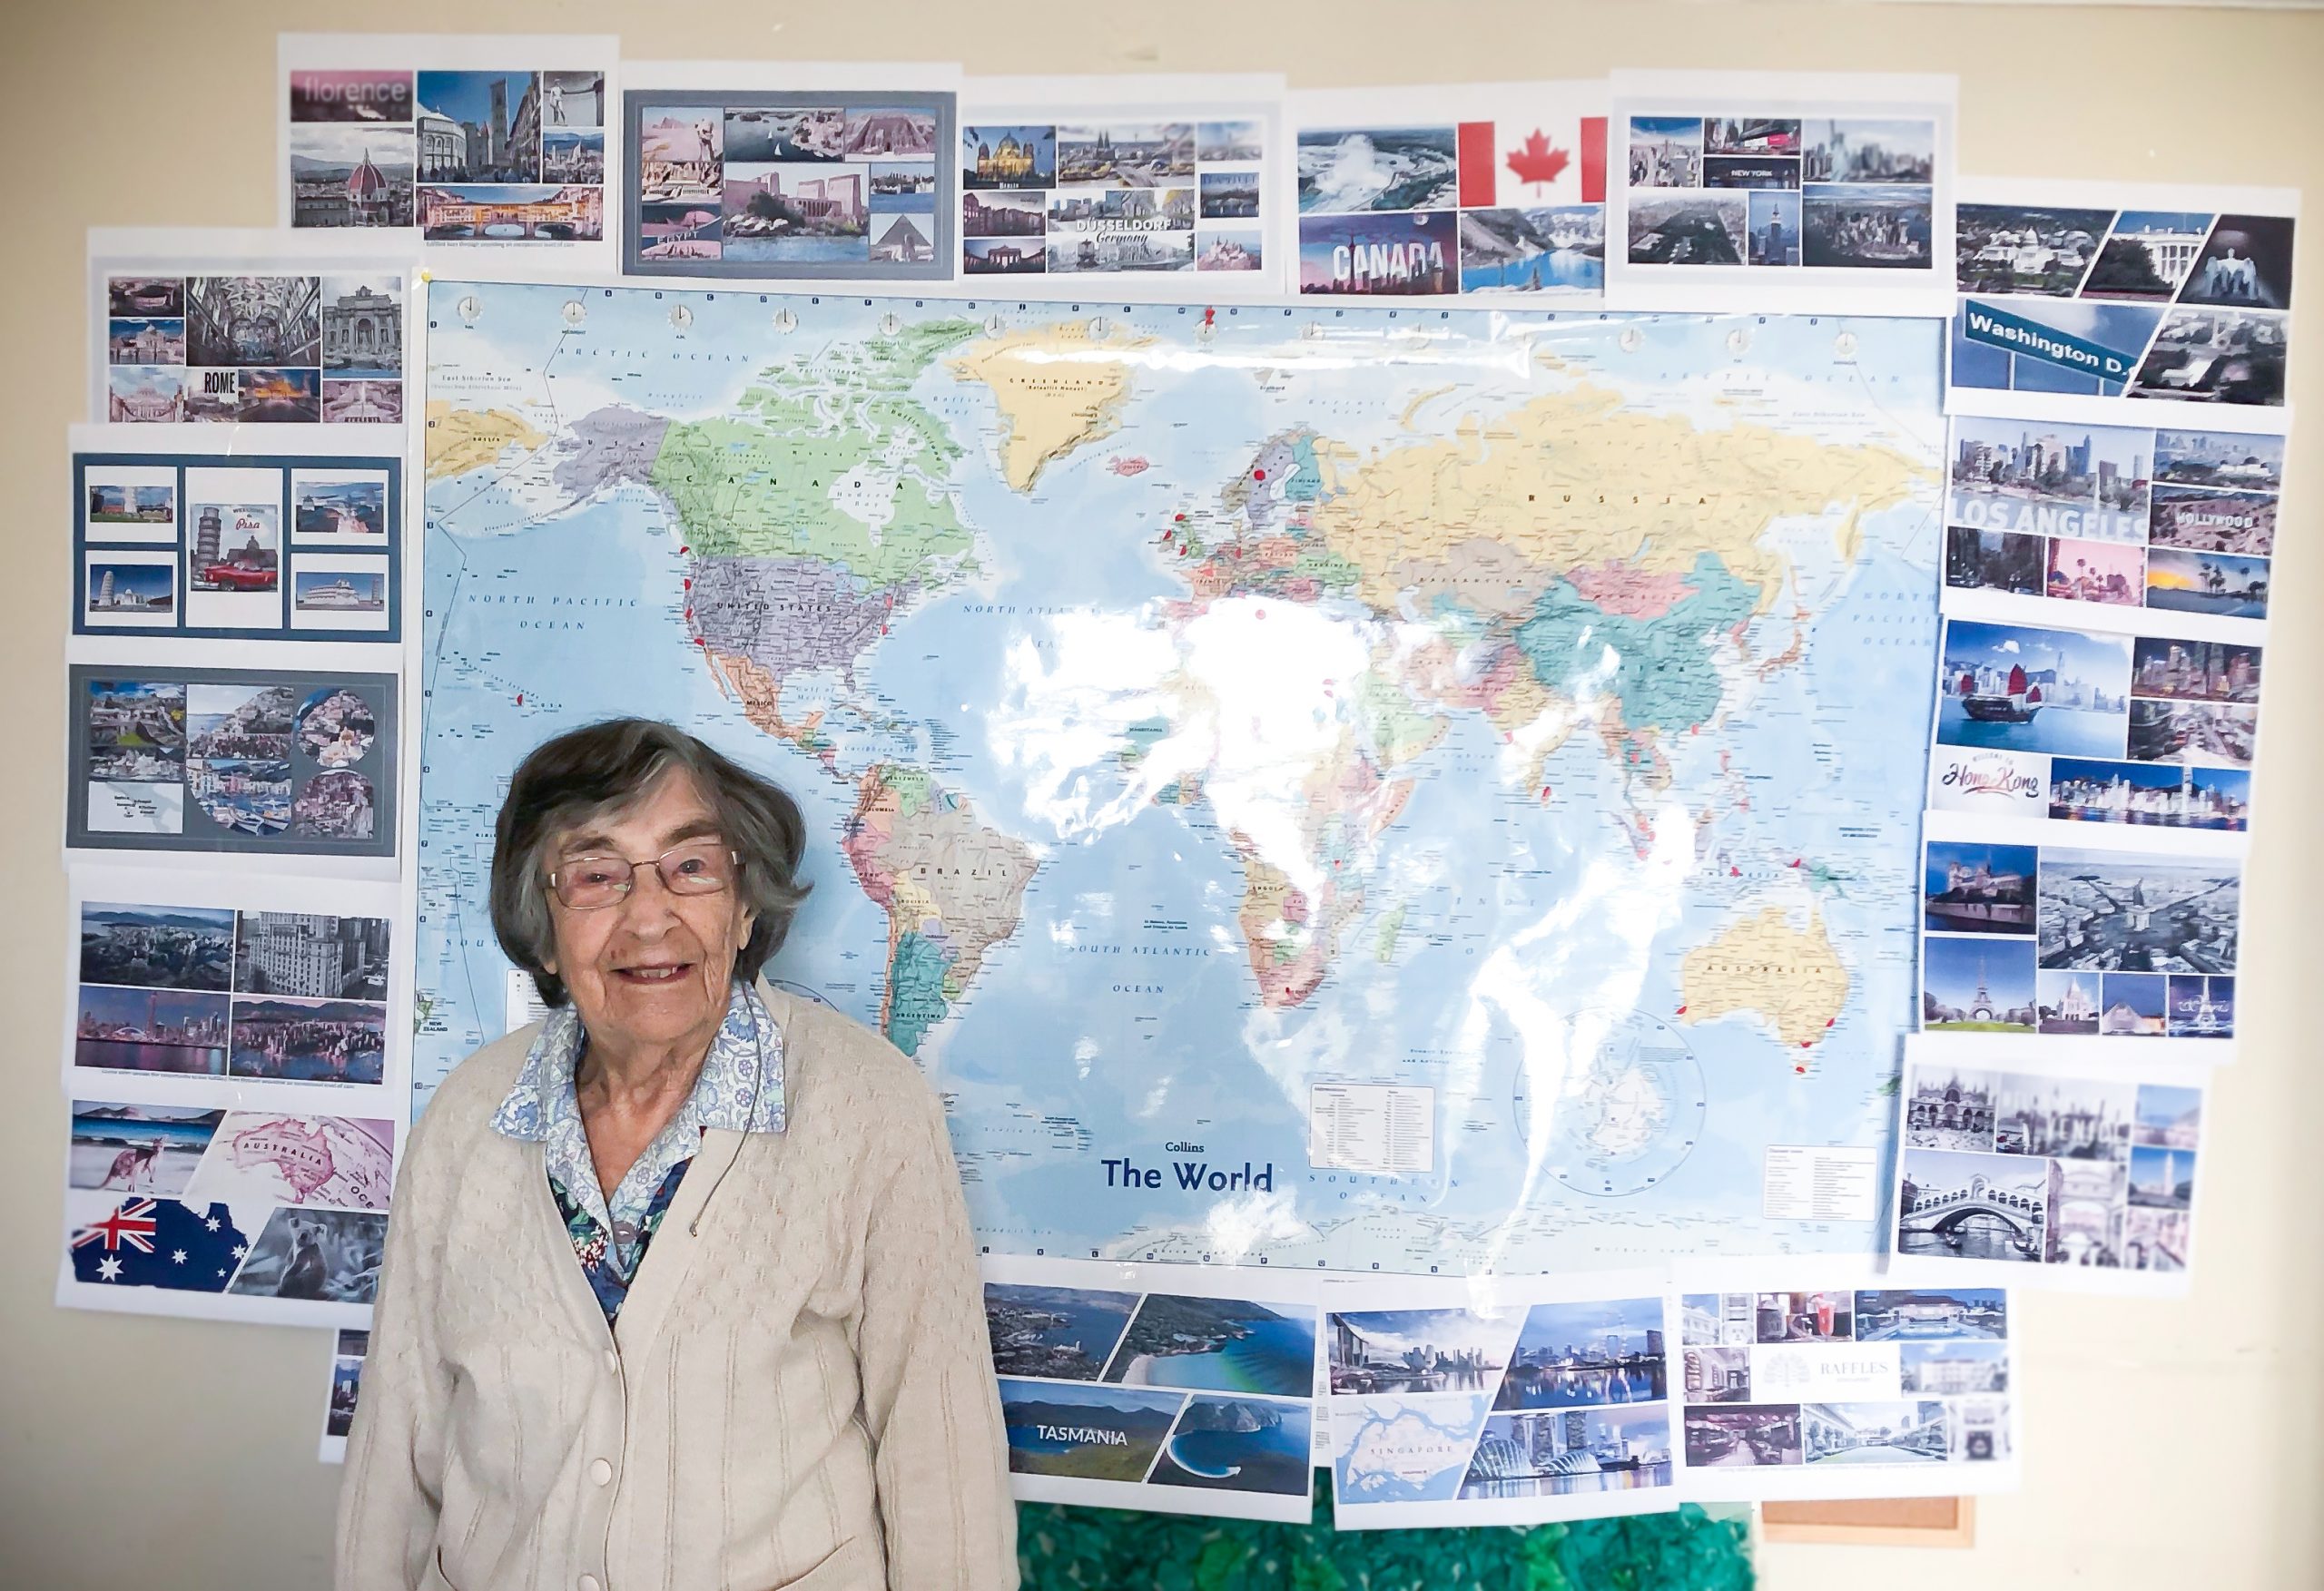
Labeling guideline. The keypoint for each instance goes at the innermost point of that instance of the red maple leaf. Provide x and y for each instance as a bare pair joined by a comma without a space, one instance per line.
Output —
1538,161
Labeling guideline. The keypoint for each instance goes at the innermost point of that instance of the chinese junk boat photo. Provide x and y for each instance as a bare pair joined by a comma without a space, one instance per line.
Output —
2016,704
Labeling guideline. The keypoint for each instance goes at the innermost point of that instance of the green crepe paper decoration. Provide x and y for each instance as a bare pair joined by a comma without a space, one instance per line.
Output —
1111,1549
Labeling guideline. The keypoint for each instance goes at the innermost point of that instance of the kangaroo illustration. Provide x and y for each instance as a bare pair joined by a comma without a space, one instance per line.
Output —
133,1162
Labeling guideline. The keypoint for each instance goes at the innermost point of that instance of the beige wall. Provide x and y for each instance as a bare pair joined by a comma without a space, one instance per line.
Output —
2169,1444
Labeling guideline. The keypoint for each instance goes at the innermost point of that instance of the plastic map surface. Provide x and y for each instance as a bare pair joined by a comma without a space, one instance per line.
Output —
1313,787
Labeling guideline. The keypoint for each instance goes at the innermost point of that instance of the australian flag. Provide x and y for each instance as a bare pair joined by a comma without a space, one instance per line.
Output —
160,1242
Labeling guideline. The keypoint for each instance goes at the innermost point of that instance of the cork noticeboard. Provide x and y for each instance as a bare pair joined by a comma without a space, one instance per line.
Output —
1874,1522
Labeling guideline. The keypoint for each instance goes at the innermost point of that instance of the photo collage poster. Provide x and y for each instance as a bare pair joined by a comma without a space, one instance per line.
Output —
802,171
1499,1400
1804,1379
2064,522
2015,1165
235,1084
2112,302
173,540
252,329
469,142
348,1350
1167,1389
1175,185
278,762
2060,940
2113,474
1829,192
2097,725
1486,189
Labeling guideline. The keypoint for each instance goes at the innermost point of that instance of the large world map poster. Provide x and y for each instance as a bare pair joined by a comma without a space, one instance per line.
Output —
1312,787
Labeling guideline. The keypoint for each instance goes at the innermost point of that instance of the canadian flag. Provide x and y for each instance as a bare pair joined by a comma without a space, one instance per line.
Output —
1537,163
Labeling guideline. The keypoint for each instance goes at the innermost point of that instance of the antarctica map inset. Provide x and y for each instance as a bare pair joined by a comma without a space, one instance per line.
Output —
1413,791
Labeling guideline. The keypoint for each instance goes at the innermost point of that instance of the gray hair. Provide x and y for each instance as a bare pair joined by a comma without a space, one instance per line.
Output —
594,773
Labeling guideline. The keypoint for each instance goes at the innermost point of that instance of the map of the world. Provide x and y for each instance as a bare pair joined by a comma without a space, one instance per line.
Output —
1413,791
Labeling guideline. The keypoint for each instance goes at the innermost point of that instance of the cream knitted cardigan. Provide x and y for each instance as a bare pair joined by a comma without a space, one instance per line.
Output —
799,1393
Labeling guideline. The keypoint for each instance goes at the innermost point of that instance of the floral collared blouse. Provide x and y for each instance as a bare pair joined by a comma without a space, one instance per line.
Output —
740,1090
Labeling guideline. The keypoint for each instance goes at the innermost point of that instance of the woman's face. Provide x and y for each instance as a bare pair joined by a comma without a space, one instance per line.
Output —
653,969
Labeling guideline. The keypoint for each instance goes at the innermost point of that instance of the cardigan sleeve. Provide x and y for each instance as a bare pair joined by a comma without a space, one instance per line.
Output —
929,1400
392,1491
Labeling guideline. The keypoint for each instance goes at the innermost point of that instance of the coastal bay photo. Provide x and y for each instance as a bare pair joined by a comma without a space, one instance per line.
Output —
1224,1345
1064,1333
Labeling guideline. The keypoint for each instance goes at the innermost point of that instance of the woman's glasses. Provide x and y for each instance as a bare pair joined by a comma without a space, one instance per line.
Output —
700,866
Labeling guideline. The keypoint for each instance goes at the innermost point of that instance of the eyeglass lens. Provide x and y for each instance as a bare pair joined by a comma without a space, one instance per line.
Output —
587,881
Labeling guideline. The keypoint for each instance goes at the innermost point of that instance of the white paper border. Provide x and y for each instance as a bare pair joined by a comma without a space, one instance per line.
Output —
1785,1483
227,887
2033,1059
333,1450
1259,1284
2074,837
1347,1294
2080,834
415,53
245,251
2084,194
222,888
1257,97
1579,100
277,447
1788,289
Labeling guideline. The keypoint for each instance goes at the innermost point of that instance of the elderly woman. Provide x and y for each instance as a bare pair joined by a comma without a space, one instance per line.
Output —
679,1289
